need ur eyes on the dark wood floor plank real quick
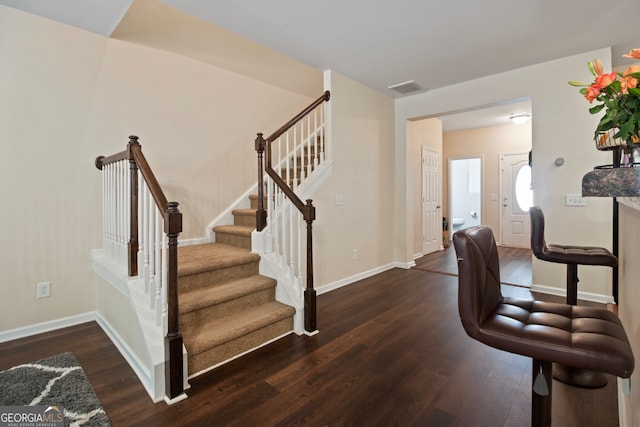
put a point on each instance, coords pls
(391, 352)
(515, 264)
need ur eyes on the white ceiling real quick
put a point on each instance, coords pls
(381, 43)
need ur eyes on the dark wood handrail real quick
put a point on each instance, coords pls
(103, 161)
(308, 212)
(150, 178)
(325, 97)
(307, 209)
(172, 228)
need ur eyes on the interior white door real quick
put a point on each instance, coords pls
(517, 198)
(431, 211)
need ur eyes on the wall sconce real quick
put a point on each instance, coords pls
(520, 118)
(559, 161)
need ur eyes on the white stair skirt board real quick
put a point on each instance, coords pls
(150, 372)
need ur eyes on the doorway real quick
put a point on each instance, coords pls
(465, 193)
(431, 209)
(517, 198)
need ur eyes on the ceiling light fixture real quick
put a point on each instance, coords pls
(520, 118)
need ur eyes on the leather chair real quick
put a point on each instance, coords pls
(572, 256)
(584, 337)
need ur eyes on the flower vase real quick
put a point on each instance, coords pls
(606, 141)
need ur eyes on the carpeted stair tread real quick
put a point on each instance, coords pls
(237, 326)
(196, 259)
(205, 297)
(236, 230)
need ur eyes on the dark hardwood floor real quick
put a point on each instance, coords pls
(515, 264)
(390, 352)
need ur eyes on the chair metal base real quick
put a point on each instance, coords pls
(541, 404)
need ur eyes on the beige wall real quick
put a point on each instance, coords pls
(68, 96)
(487, 143)
(197, 124)
(363, 174)
(48, 77)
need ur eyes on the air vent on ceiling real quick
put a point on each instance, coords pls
(406, 87)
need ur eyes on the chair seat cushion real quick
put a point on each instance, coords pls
(583, 337)
(584, 255)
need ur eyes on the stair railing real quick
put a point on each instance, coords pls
(289, 157)
(140, 236)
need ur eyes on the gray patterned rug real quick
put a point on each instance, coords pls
(57, 381)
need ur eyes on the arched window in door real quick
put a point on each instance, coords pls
(523, 190)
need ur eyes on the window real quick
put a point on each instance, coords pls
(524, 193)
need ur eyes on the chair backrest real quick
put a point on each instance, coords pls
(538, 244)
(478, 276)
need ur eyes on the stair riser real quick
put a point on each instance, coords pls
(245, 220)
(234, 240)
(215, 277)
(228, 350)
(254, 202)
(196, 319)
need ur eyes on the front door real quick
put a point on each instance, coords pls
(431, 225)
(517, 198)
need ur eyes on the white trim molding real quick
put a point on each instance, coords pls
(51, 325)
(586, 296)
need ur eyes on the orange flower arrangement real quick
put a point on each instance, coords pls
(619, 96)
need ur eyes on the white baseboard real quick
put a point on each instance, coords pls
(356, 277)
(51, 325)
(141, 371)
(586, 296)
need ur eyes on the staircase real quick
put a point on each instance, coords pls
(226, 307)
(210, 301)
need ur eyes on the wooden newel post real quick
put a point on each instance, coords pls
(261, 214)
(173, 340)
(309, 292)
(132, 246)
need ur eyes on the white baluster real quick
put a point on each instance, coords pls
(303, 170)
(316, 152)
(145, 237)
(291, 237)
(286, 159)
(120, 214)
(300, 245)
(141, 243)
(165, 269)
(321, 135)
(152, 252)
(158, 258)
(274, 221)
(107, 211)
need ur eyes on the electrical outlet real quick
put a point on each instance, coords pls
(339, 199)
(355, 254)
(43, 290)
(575, 200)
